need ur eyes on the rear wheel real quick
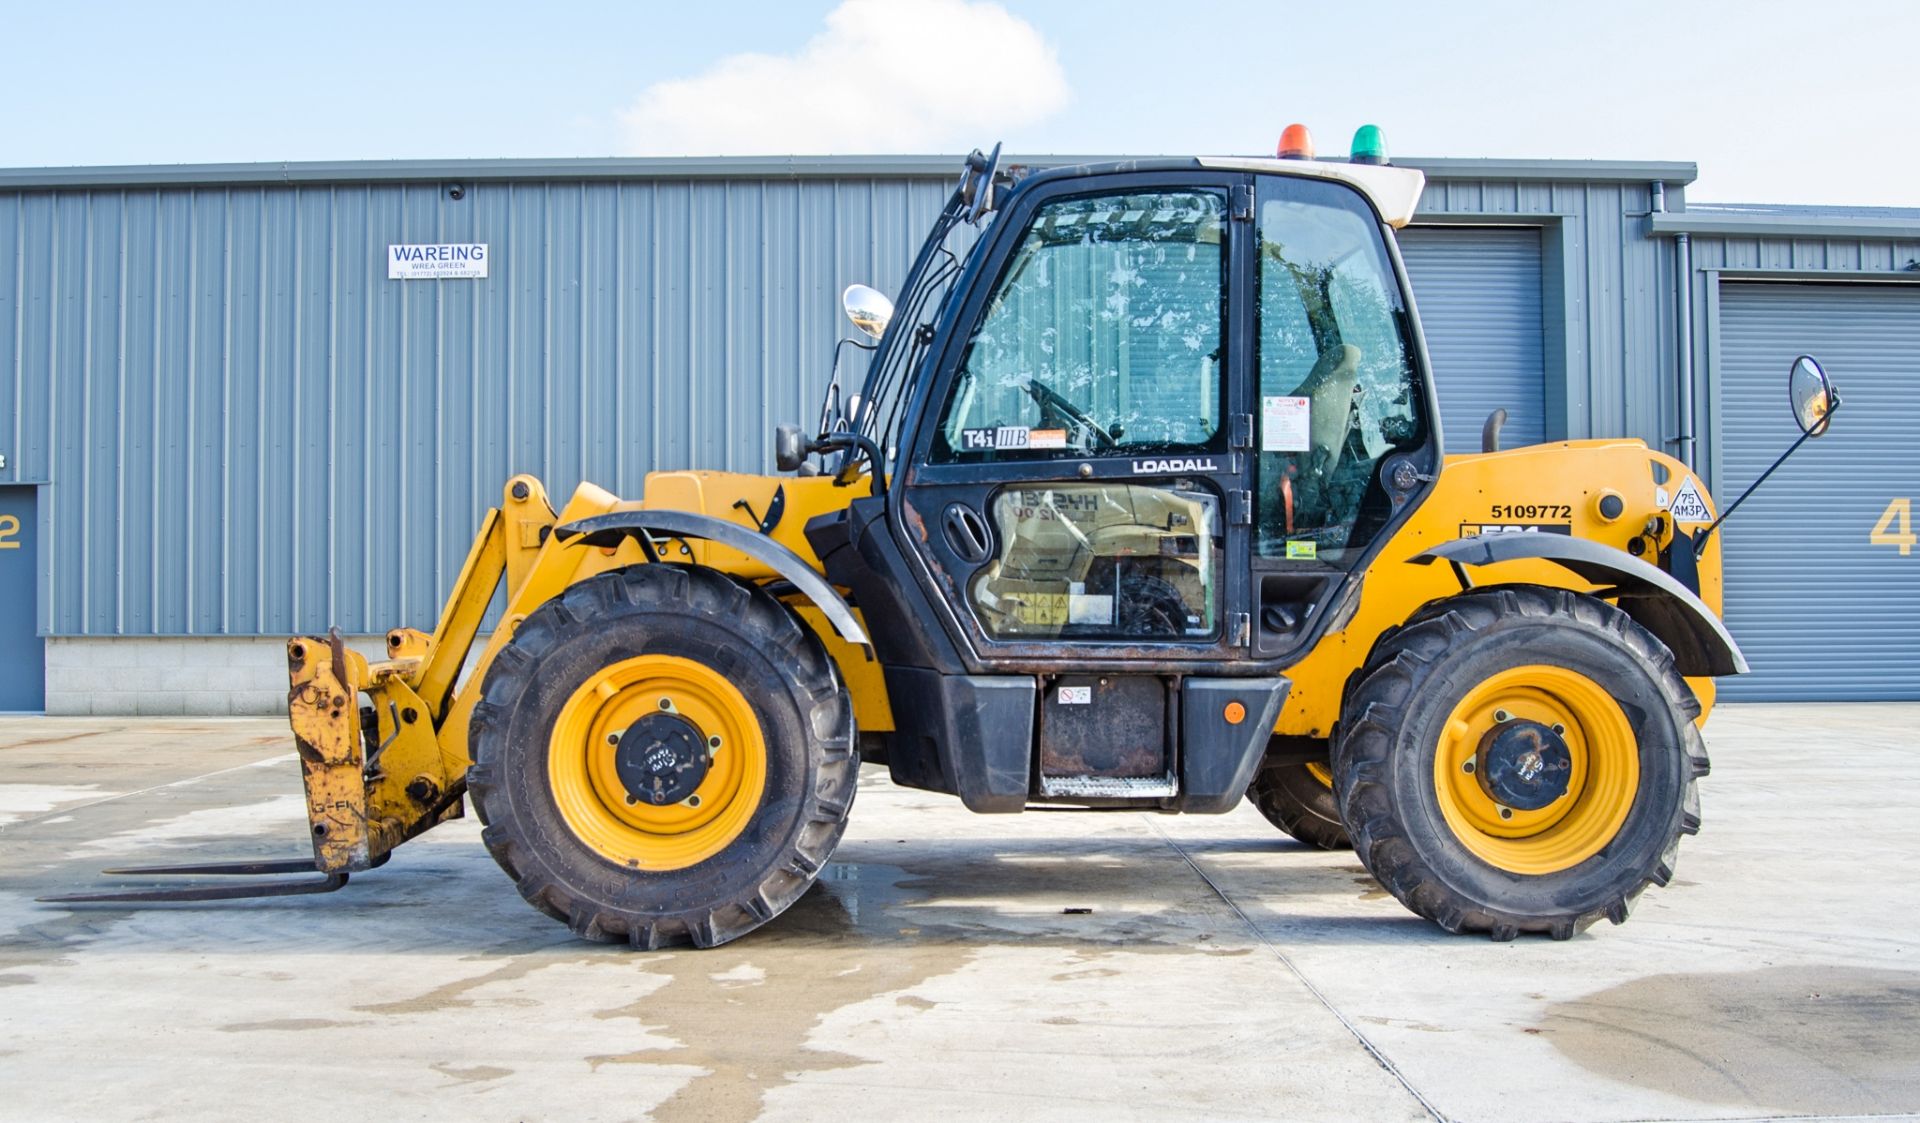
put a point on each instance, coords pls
(662, 755)
(1520, 760)
(1298, 798)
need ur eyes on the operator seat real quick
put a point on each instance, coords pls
(1304, 478)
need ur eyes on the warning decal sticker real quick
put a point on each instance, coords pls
(1688, 506)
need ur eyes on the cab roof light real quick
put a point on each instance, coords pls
(1369, 146)
(1296, 143)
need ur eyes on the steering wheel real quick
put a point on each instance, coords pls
(1050, 399)
(977, 182)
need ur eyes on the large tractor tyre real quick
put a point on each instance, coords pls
(1522, 761)
(662, 755)
(1298, 798)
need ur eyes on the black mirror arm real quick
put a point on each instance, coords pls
(1700, 540)
(876, 459)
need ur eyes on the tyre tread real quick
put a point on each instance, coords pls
(1398, 668)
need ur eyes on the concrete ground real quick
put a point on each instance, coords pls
(943, 968)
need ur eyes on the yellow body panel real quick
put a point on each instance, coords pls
(1476, 492)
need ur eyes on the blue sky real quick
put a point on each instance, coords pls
(1776, 101)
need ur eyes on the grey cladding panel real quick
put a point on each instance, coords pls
(1478, 289)
(1820, 612)
(181, 363)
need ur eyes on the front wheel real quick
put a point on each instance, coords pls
(662, 755)
(1520, 760)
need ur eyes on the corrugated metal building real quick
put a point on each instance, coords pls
(185, 349)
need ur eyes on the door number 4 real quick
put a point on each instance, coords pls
(1899, 513)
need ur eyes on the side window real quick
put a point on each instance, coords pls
(1102, 560)
(1104, 334)
(1338, 390)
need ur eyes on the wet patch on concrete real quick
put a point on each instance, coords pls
(21, 802)
(458, 995)
(471, 1074)
(887, 928)
(207, 828)
(1822, 1039)
(285, 1024)
(16, 980)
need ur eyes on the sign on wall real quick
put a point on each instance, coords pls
(416, 263)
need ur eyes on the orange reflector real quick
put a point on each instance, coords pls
(1296, 143)
(1235, 713)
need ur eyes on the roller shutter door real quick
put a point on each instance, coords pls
(1479, 294)
(1821, 613)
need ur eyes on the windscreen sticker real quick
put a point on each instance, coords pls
(1474, 530)
(1308, 550)
(1688, 505)
(1286, 424)
(1089, 608)
(1046, 438)
(1003, 437)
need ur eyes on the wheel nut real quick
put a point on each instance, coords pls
(1506, 812)
(1559, 730)
(613, 738)
(1502, 716)
(1467, 766)
(693, 801)
(666, 703)
(713, 742)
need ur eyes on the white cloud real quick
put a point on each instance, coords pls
(885, 76)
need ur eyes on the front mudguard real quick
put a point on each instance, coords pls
(1655, 600)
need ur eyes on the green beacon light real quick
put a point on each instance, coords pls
(1369, 146)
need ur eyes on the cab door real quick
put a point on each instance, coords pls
(1078, 485)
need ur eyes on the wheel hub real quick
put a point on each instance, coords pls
(1524, 764)
(661, 759)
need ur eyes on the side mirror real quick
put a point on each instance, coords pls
(869, 309)
(1811, 394)
(790, 447)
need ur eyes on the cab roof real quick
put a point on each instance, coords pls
(1394, 192)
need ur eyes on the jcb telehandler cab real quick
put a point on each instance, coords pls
(1141, 504)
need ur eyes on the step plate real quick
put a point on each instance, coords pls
(1109, 787)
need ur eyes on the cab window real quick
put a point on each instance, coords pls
(1338, 386)
(1102, 337)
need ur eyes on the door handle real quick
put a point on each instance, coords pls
(967, 533)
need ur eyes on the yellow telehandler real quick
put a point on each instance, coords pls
(1141, 504)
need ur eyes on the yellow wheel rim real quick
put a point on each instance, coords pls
(595, 802)
(1602, 782)
(1321, 772)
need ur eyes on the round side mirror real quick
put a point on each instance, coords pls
(1811, 394)
(869, 309)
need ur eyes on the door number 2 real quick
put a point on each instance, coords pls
(1899, 513)
(9, 532)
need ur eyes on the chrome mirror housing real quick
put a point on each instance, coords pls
(868, 308)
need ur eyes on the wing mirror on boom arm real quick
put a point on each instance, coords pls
(871, 311)
(1813, 398)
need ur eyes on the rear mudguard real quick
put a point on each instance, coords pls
(644, 526)
(1656, 601)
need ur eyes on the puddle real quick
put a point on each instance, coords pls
(1800, 1040)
